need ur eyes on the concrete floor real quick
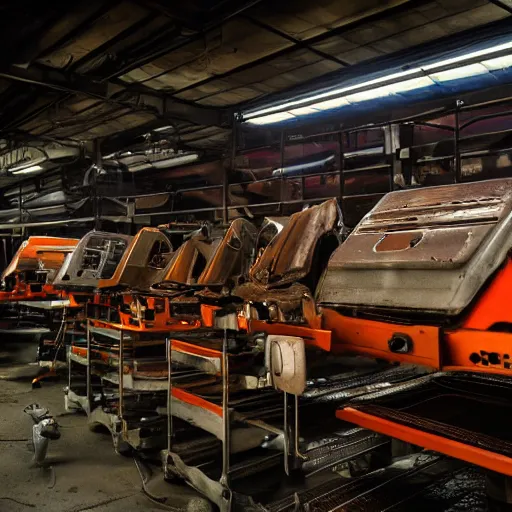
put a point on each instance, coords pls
(85, 472)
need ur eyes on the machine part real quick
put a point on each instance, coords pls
(288, 363)
(208, 416)
(359, 383)
(289, 256)
(45, 428)
(209, 488)
(187, 263)
(233, 256)
(296, 429)
(286, 435)
(400, 343)
(446, 241)
(226, 426)
(282, 302)
(370, 338)
(340, 448)
(143, 263)
(345, 493)
(175, 498)
(438, 412)
(96, 257)
(41, 253)
(319, 338)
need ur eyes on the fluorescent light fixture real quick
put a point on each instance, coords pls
(410, 85)
(372, 94)
(498, 63)
(26, 170)
(304, 111)
(426, 76)
(302, 167)
(176, 160)
(140, 167)
(469, 56)
(458, 73)
(272, 118)
(163, 128)
(328, 94)
(334, 103)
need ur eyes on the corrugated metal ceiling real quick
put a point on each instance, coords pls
(87, 69)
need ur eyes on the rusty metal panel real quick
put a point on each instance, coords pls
(189, 260)
(96, 257)
(289, 255)
(143, 262)
(232, 258)
(429, 249)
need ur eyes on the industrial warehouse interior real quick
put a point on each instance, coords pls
(256, 256)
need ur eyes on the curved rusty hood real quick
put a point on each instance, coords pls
(429, 249)
(41, 253)
(143, 263)
(289, 256)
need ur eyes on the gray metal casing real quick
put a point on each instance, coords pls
(426, 250)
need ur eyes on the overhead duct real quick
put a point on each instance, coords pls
(37, 159)
(154, 158)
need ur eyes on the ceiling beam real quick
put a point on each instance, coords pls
(502, 5)
(212, 22)
(396, 9)
(107, 45)
(138, 99)
(80, 29)
(297, 42)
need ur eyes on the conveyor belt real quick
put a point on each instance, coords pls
(393, 488)
(462, 415)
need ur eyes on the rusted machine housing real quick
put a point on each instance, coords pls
(204, 271)
(283, 278)
(143, 262)
(425, 278)
(96, 257)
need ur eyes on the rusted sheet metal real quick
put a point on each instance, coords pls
(143, 262)
(271, 227)
(41, 253)
(233, 256)
(445, 241)
(289, 256)
(190, 260)
(288, 298)
(206, 263)
(96, 257)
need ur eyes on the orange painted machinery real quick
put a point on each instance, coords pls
(425, 279)
(31, 273)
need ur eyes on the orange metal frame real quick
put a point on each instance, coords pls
(370, 338)
(22, 291)
(472, 347)
(163, 321)
(196, 401)
(471, 454)
(318, 338)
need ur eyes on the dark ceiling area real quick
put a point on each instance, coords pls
(116, 70)
(127, 111)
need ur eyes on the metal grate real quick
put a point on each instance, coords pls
(465, 436)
